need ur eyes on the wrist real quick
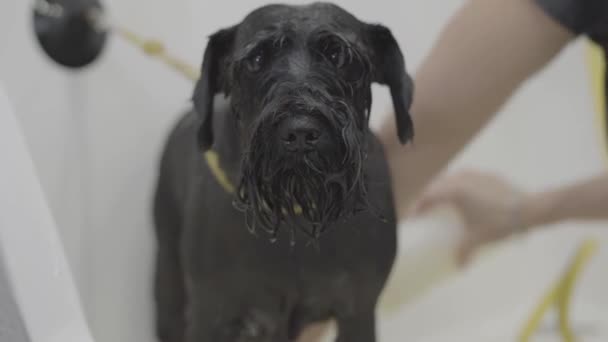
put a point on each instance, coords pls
(537, 210)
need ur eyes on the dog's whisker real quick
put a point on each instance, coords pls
(292, 236)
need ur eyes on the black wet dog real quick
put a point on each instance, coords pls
(308, 232)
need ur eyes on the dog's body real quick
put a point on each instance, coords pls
(218, 282)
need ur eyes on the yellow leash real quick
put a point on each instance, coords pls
(597, 66)
(560, 294)
(213, 162)
(154, 48)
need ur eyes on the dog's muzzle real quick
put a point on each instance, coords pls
(303, 167)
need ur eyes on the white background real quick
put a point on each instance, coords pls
(95, 138)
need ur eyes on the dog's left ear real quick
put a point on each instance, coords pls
(389, 69)
(212, 81)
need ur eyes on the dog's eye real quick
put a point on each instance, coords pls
(256, 61)
(337, 58)
(335, 53)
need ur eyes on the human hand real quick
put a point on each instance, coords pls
(492, 208)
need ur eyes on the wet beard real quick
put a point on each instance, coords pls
(307, 193)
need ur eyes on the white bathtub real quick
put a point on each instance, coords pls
(36, 280)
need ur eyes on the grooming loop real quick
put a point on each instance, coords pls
(560, 296)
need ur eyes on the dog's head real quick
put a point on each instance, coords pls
(299, 80)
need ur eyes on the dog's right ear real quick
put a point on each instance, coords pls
(212, 81)
(389, 69)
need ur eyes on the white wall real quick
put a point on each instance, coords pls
(95, 137)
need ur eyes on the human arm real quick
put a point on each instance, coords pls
(486, 51)
(493, 209)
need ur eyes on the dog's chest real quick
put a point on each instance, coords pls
(352, 260)
(219, 240)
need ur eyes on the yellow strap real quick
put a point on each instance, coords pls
(561, 293)
(596, 66)
(155, 48)
(213, 161)
(582, 258)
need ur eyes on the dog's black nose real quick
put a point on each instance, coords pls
(299, 133)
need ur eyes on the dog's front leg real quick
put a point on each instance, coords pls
(169, 291)
(357, 328)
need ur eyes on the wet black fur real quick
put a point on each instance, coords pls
(217, 279)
